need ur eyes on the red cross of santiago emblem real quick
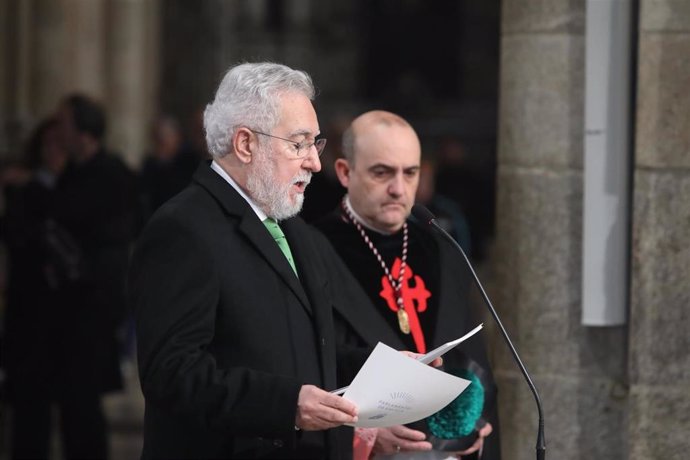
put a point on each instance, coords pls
(414, 300)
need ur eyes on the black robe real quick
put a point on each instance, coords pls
(439, 286)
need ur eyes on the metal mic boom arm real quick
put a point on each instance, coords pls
(424, 215)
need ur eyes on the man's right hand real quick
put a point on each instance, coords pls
(320, 410)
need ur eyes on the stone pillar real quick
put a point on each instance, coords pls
(5, 40)
(660, 312)
(85, 63)
(52, 61)
(579, 371)
(130, 98)
(16, 65)
(6, 37)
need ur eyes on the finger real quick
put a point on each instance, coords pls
(404, 433)
(340, 404)
(319, 422)
(486, 430)
(333, 415)
(414, 446)
(473, 448)
(438, 362)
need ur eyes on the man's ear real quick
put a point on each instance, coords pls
(244, 145)
(342, 170)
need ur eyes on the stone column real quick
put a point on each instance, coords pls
(579, 371)
(86, 23)
(16, 65)
(130, 97)
(6, 37)
(660, 311)
(5, 40)
(53, 63)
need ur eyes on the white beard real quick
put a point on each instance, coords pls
(272, 197)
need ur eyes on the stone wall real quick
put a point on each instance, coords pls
(616, 392)
(104, 48)
(579, 371)
(659, 362)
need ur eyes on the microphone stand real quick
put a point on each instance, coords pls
(425, 215)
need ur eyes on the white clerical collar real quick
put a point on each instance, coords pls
(221, 172)
(360, 220)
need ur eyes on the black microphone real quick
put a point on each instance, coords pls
(425, 216)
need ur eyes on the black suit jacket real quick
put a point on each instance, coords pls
(227, 334)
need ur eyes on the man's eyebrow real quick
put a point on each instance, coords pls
(381, 166)
(393, 168)
(304, 132)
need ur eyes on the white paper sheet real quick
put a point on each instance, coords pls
(433, 354)
(393, 389)
(446, 347)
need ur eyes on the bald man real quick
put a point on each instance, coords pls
(415, 280)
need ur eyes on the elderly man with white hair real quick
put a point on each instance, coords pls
(233, 295)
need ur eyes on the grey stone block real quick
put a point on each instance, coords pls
(538, 266)
(659, 421)
(660, 313)
(665, 15)
(556, 16)
(663, 112)
(584, 417)
(539, 228)
(541, 104)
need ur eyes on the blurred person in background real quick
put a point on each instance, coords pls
(168, 167)
(91, 221)
(32, 356)
(448, 213)
(468, 181)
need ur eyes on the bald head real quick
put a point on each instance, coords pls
(368, 123)
(380, 169)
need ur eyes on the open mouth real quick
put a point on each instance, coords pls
(301, 186)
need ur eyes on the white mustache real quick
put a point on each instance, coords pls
(306, 178)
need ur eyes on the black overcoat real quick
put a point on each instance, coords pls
(227, 333)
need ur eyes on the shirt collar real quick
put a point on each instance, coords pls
(222, 173)
(360, 220)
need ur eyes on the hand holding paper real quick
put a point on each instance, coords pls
(319, 410)
(392, 389)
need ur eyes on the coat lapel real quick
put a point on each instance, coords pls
(251, 227)
(315, 281)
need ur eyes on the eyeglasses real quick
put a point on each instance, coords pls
(301, 148)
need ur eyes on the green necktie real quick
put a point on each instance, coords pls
(279, 237)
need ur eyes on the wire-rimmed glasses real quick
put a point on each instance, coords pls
(301, 148)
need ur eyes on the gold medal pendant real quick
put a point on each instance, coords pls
(403, 321)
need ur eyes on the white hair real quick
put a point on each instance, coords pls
(249, 96)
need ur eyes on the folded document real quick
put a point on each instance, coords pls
(392, 389)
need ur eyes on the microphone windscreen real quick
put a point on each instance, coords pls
(422, 214)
